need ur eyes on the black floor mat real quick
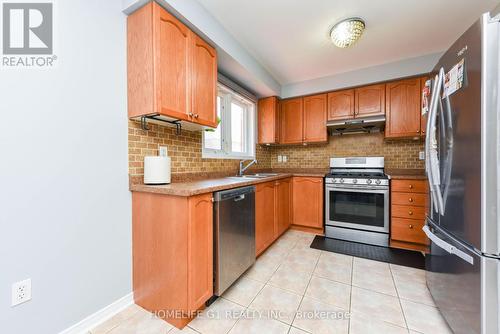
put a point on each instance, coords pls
(400, 257)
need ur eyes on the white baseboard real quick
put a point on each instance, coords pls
(100, 316)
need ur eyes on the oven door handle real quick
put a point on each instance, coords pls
(359, 190)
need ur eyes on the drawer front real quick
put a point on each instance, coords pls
(413, 199)
(408, 212)
(412, 186)
(408, 230)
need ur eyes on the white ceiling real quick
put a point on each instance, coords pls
(290, 37)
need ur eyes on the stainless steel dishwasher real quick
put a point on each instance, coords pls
(234, 251)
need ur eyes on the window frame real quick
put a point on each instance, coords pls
(229, 96)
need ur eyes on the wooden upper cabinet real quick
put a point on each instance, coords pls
(341, 105)
(307, 202)
(283, 207)
(403, 108)
(171, 71)
(292, 121)
(268, 120)
(204, 82)
(264, 216)
(369, 101)
(423, 118)
(315, 118)
(200, 250)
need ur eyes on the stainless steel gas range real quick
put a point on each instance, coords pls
(357, 200)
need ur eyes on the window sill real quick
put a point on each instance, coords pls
(213, 155)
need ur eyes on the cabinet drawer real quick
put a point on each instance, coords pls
(413, 199)
(408, 230)
(409, 212)
(412, 186)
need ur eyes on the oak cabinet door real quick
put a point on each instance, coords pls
(341, 105)
(203, 82)
(200, 250)
(307, 201)
(369, 101)
(268, 120)
(264, 216)
(292, 121)
(283, 208)
(315, 118)
(403, 108)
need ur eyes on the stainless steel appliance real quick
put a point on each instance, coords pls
(234, 237)
(357, 200)
(462, 163)
(358, 125)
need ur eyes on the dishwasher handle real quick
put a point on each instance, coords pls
(236, 194)
(239, 198)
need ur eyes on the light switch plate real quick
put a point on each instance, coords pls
(421, 155)
(280, 158)
(285, 158)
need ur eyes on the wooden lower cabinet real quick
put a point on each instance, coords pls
(307, 202)
(272, 212)
(409, 206)
(172, 250)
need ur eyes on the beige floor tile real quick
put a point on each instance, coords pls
(294, 330)
(287, 242)
(273, 299)
(286, 277)
(361, 264)
(374, 279)
(259, 326)
(185, 330)
(276, 251)
(144, 323)
(365, 324)
(414, 291)
(219, 318)
(329, 292)
(377, 305)
(408, 274)
(319, 318)
(243, 291)
(302, 260)
(117, 319)
(335, 267)
(424, 319)
(263, 269)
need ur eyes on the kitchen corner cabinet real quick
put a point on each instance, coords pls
(315, 109)
(409, 205)
(292, 121)
(268, 120)
(403, 108)
(307, 202)
(272, 212)
(172, 72)
(172, 247)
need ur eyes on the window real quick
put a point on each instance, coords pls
(234, 138)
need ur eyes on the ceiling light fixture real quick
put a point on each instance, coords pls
(346, 32)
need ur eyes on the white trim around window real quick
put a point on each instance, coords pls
(229, 99)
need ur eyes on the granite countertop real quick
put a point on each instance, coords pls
(208, 185)
(413, 174)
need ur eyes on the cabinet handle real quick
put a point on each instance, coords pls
(196, 115)
(410, 213)
(410, 186)
(410, 199)
(410, 226)
(190, 114)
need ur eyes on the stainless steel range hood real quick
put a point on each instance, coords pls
(357, 125)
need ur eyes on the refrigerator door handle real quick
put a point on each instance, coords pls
(446, 246)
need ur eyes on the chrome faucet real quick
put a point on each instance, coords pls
(243, 169)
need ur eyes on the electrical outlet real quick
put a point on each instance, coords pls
(21, 292)
(421, 155)
(285, 158)
(280, 158)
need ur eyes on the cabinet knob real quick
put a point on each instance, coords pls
(196, 115)
(410, 199)
(190, 114)
(410, 186)
(410, 213)
(410, 226)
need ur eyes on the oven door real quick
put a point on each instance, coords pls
(359, 208)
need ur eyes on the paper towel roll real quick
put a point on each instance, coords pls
(156, 170)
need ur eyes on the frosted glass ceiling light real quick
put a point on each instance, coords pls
(346, 32)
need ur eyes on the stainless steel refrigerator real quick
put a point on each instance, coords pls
(462, 163)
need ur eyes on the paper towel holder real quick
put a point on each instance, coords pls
(144, 125)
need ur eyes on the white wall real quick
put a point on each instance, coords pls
(65, 208)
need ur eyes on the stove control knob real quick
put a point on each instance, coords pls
(341, 180)
(377, 181)
(368, 181)
(354, 181)
(334, 180)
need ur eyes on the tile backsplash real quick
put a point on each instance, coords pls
(185, 151)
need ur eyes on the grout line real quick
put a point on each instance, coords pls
(399, 298)
(350, 295)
